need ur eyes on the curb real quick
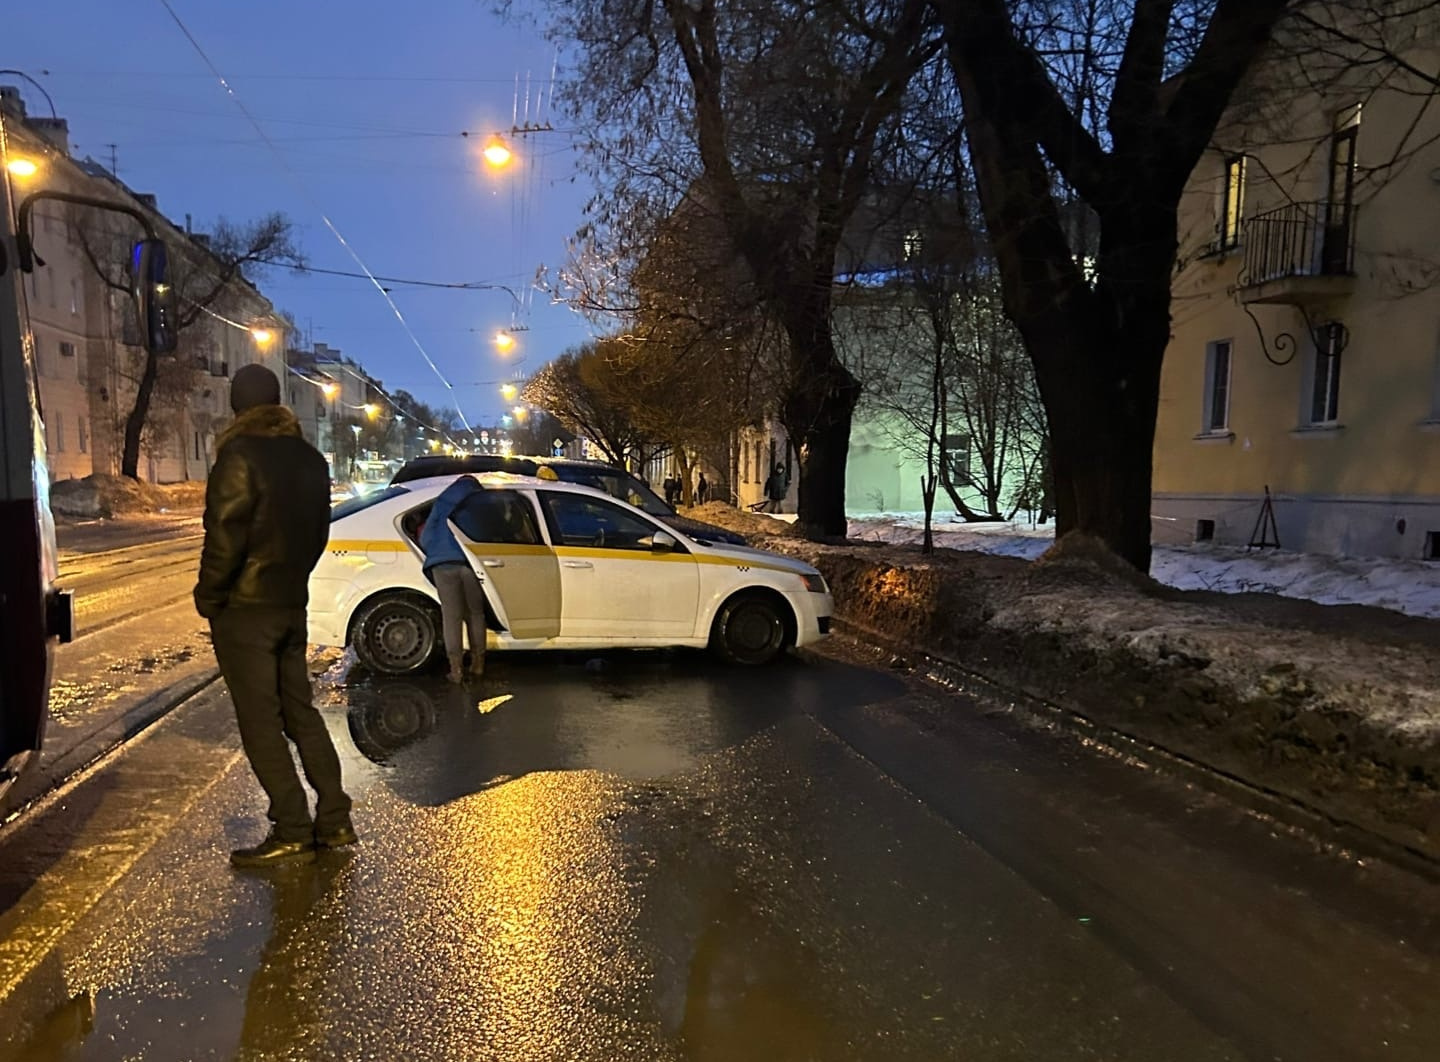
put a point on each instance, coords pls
(1340, 836)
(36, 789)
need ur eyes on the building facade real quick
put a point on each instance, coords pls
(1305, 349)
(88, 355)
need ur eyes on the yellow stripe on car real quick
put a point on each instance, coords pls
(366, 545)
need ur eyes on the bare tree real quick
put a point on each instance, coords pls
(205, 279)
(1110, 105)
(584, 391)
(768, 116)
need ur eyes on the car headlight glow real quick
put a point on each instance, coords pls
(815, 583)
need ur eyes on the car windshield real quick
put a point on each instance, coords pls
(620, 485)
(364, 501)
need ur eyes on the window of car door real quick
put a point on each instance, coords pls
(500, 517)
(616, 585)
(579, 521)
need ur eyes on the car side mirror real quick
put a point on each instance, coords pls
(155, 305)
(663, 543)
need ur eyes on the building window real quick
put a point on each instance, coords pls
(1435, 387)
(1232, 202)
(67, 350)
(1325, 387)
(59, 434)
(1432, 545)
(1217, 386)
(914, 244)
(84, 438)
(957, 459)
(198, 454)
(75, 295)
(1204, 530)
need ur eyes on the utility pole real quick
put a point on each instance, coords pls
(114, 162)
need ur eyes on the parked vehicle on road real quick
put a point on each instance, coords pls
(563, 566)
(612, 479)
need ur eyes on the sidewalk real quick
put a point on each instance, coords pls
(1333, 708)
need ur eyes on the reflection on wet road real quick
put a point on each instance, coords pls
(648, 856)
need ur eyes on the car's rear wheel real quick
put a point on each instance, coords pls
(749, 629)
(396, 635)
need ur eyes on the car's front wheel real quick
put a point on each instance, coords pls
(396, 635)
(749, 629)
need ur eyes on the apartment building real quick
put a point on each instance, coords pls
(1305, 349)
(88, 353)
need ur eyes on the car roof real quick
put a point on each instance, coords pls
(463, 463)
(508, 479)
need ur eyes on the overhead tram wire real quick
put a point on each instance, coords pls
(305, 192)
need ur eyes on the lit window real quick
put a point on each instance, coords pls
(1232, 208)
(914, 244)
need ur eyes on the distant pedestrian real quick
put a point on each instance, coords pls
(462, 599)
(672, 489)
(777, 486)
(702, 490)
(267, 519)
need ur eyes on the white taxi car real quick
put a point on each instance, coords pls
(563, 567)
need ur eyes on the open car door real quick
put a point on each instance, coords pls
(501, 537)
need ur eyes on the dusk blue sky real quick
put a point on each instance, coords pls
(365, 102)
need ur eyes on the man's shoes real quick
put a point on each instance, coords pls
(273, 852)
(477, 665)
(341, 837)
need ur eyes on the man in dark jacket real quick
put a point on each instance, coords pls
(462, 599)
(267, 519)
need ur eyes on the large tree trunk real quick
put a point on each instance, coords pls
(135, 422)
(1102, 425)
(817, 412)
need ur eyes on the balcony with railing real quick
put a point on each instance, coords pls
(1299, 253)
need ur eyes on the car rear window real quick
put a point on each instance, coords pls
(364, 501)
(617, 484)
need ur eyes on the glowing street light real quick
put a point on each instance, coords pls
(261, 334)
(372, 410)
(22, 167)
(508, 391)
(520, 412)
(330, 389)
(504, 341)
(496, 153)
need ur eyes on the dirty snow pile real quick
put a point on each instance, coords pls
(1410, 587)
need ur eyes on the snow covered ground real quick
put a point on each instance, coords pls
(1411, 587)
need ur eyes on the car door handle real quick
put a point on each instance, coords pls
(578, 564)
(493, 563)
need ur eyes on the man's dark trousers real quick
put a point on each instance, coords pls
(261, 653)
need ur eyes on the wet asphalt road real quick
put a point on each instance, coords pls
(649, 856)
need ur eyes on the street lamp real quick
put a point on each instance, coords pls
(520, 412)
(504, 341)
(496, 153)
(22, 167)
(372, 410)
(261, 335)
(508, 391)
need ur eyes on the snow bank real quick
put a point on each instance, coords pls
(1411, 587)
(108, 496)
